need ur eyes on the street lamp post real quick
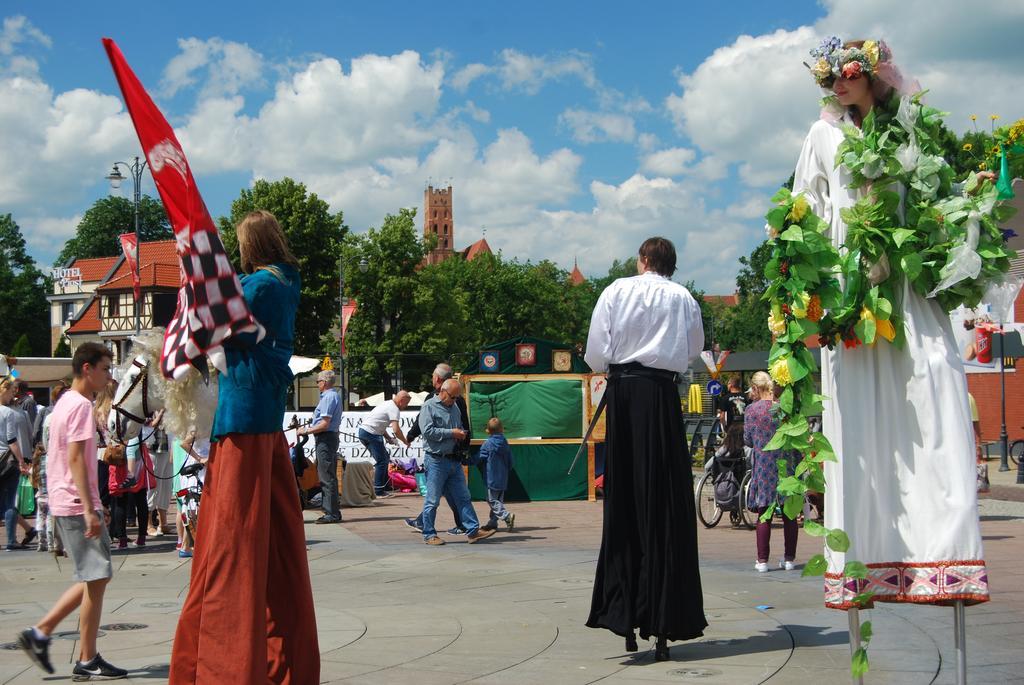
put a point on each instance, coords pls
(115, 177)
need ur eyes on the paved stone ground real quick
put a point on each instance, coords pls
(511, 609)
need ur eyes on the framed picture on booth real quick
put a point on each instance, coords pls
(526, 354)
(561, 361)
(490, 361)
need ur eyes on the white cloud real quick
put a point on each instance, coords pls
(708, 242)
(671, 162)
(17, 30)
(598, 127)
(464, 77)
(750, 103)
(529, 73)
(76, 135)
(47, 234)
(229, 66)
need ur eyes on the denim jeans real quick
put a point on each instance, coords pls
(445, 477)
(496, 500)
(8, 500)
(375, 445)
(327, 470)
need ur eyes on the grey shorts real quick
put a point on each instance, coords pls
(90, 557)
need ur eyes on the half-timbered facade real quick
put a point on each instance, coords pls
(109, 316)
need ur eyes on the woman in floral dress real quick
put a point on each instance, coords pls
(759, 425)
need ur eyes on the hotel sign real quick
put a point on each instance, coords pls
(66, 277)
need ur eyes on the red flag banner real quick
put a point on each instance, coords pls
(211, 308)
(129, 246)
(347, 310)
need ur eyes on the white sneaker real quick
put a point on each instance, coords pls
(761, 568)
(786, 565)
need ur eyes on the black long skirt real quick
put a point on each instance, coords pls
(647, 574)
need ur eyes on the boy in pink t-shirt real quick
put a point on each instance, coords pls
(78, 518)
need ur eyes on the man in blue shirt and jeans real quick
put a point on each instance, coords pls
(441, 423)
(324, 429)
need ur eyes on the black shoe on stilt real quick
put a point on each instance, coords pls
(661, 650)
(631, 642)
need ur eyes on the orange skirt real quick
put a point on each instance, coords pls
(249, 613)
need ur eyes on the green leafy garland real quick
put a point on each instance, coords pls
(898, 145)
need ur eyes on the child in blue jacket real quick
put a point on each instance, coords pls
(496, 453)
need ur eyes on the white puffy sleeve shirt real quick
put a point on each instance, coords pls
(646, 319)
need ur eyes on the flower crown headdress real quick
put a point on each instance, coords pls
(833, 60)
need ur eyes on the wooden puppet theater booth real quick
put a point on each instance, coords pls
(541, 391)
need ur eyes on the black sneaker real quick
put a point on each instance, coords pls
(38, 650)
(456, 531)
(30, 536)
(97, 669)
(412, 524)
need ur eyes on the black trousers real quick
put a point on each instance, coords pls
(123, 505)
(647, 572)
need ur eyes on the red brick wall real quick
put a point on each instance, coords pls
(986, 391)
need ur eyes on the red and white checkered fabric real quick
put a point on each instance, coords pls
(210, 304)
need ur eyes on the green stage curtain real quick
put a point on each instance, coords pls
(539, 475)
(528, 409)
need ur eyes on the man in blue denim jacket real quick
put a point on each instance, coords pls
(441, 424)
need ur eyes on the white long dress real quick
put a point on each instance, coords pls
(904, 486)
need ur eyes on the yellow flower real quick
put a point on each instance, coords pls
(993, 117)
(821, 69)
(779, 371)
(799, 306)
(974, 117)
(799, 209)
(870, 49)
(776, 323)
(885, 329)
(968, 147)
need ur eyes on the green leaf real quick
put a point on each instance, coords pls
(797, 370)
(865, 631)
(863, 599)
(859, 663)
(816, 481)
(793, 505)
(786, 400)
(865, 330)
(814, 529)
(883, 309)
(769, 512)
(778, 442)
(795, 427)
(776, 217)
(837, 540)
(855, 569)
(902, 235)
(781, 195)
(792, 234)
(815, 566)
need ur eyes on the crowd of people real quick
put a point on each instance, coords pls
(249, 612)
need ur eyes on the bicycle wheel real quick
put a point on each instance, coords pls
(1017, 451)
(749, 517)
(708, 510)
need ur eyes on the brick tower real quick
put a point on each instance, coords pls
(438, 221)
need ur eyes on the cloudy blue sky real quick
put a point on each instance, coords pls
(570, 130)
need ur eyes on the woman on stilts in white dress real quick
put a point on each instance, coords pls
(903, 487)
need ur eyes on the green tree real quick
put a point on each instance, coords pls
(22, 348)
(395, 315)
(744, 327)
(24, 310)
(315, 236)
(63, 348)
(109, 217)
